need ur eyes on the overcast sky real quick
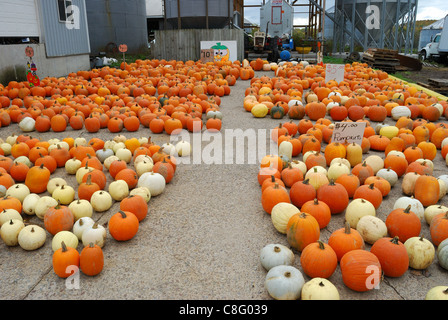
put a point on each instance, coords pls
(427, 10)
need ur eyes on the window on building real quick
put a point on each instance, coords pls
(65, 11)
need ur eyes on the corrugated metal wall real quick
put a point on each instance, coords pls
(185, 44)
(119, 22)
(62, 39)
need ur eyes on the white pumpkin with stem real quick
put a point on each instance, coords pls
(141, 191)
(9, 232)
(81, 208)
(81, 225)
(72, 165)
(319, 289)
(32, 237)
(357, 209)
(68, 237)
(273, 255)
(54, 183)
(124, 154)
(389, 175)
(154, 181)
(421, 252)
(284, 282)
(416, 205)
(8, 214)
(64, 194)
(18, 191)
(29, 204)
(118, 189)
(437, 293)
(433, 210)
(336, 170)
(96, 234)
(280, 215)
(101, 201)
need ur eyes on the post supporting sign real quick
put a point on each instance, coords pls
(123, 48)
(334, 72)
(350, 132)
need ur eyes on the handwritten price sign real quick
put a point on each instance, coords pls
(348, 132)
(334, 72)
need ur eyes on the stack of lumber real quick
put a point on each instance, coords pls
(382, 59)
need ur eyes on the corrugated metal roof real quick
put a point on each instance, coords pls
(61, 38)
(436, 25)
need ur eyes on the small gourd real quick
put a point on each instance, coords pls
(96, 234)
(9, 232)
(437, 293)
(81, 225)
(421, 252)
(319, 289)
(68, 237)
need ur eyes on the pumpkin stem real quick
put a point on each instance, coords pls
(64, 247)
(316, 202)
(277, 249)
(408, 208)
(347, 229)
(123, 215)
(321, 245)
(287, 274)
(395, 240)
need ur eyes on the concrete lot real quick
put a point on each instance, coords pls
(200, 241)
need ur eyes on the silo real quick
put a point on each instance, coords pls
(198, 14)
(376, 23)
(115, 22)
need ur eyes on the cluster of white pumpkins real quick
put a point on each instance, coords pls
(14, 230)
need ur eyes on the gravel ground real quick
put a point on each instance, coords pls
(201, 239)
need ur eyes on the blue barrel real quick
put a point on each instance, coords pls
(285, 55)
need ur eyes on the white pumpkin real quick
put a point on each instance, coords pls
(183, 148)
(54, 183)
(389, 175)
(442, 188)
(72, 165)
(9, 214)
(32, 237)
(101, 201)
(343, 161)
(9, 232)
(400, 111)
(124, 154)
(357, 209)
(11, 139)
(300, 165)
(6, 147)
(285, 150)
(24, 160)
(141, 191)
(120, 138)
(103, 154)
(81, 172)
(421, 252)
(433, 210)
(141, 158)
(273, 255)
(29, 204)
(284, 282)
(68, 237)
(154, 181)
(81, 208)
(444, 177)
(43, 204)
(371, 228)
(416, 205)
(143, 166)
(96, 234)
(375, 162)
(27, 124)
(319, 289)
(64, 194)
(118, 189)
(117, 146)
(336, 170)
(109, 160)
(80, 141)
(18, 191)
(280, 215)
(2, 191)
(81, 225)
(437, 293)
(169, 148)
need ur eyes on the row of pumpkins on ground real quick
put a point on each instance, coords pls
(126, 170)
(163, 96)
(333, 178)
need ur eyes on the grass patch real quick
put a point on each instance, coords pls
(333, 60)
(404, 75)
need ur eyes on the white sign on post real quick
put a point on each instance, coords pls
(334, 72)
(348, 132)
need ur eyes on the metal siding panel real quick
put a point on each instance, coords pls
(60, 40)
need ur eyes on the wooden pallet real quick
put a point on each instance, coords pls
(435, 87)
(383, 59)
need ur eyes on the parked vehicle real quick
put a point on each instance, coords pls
(438, 47)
